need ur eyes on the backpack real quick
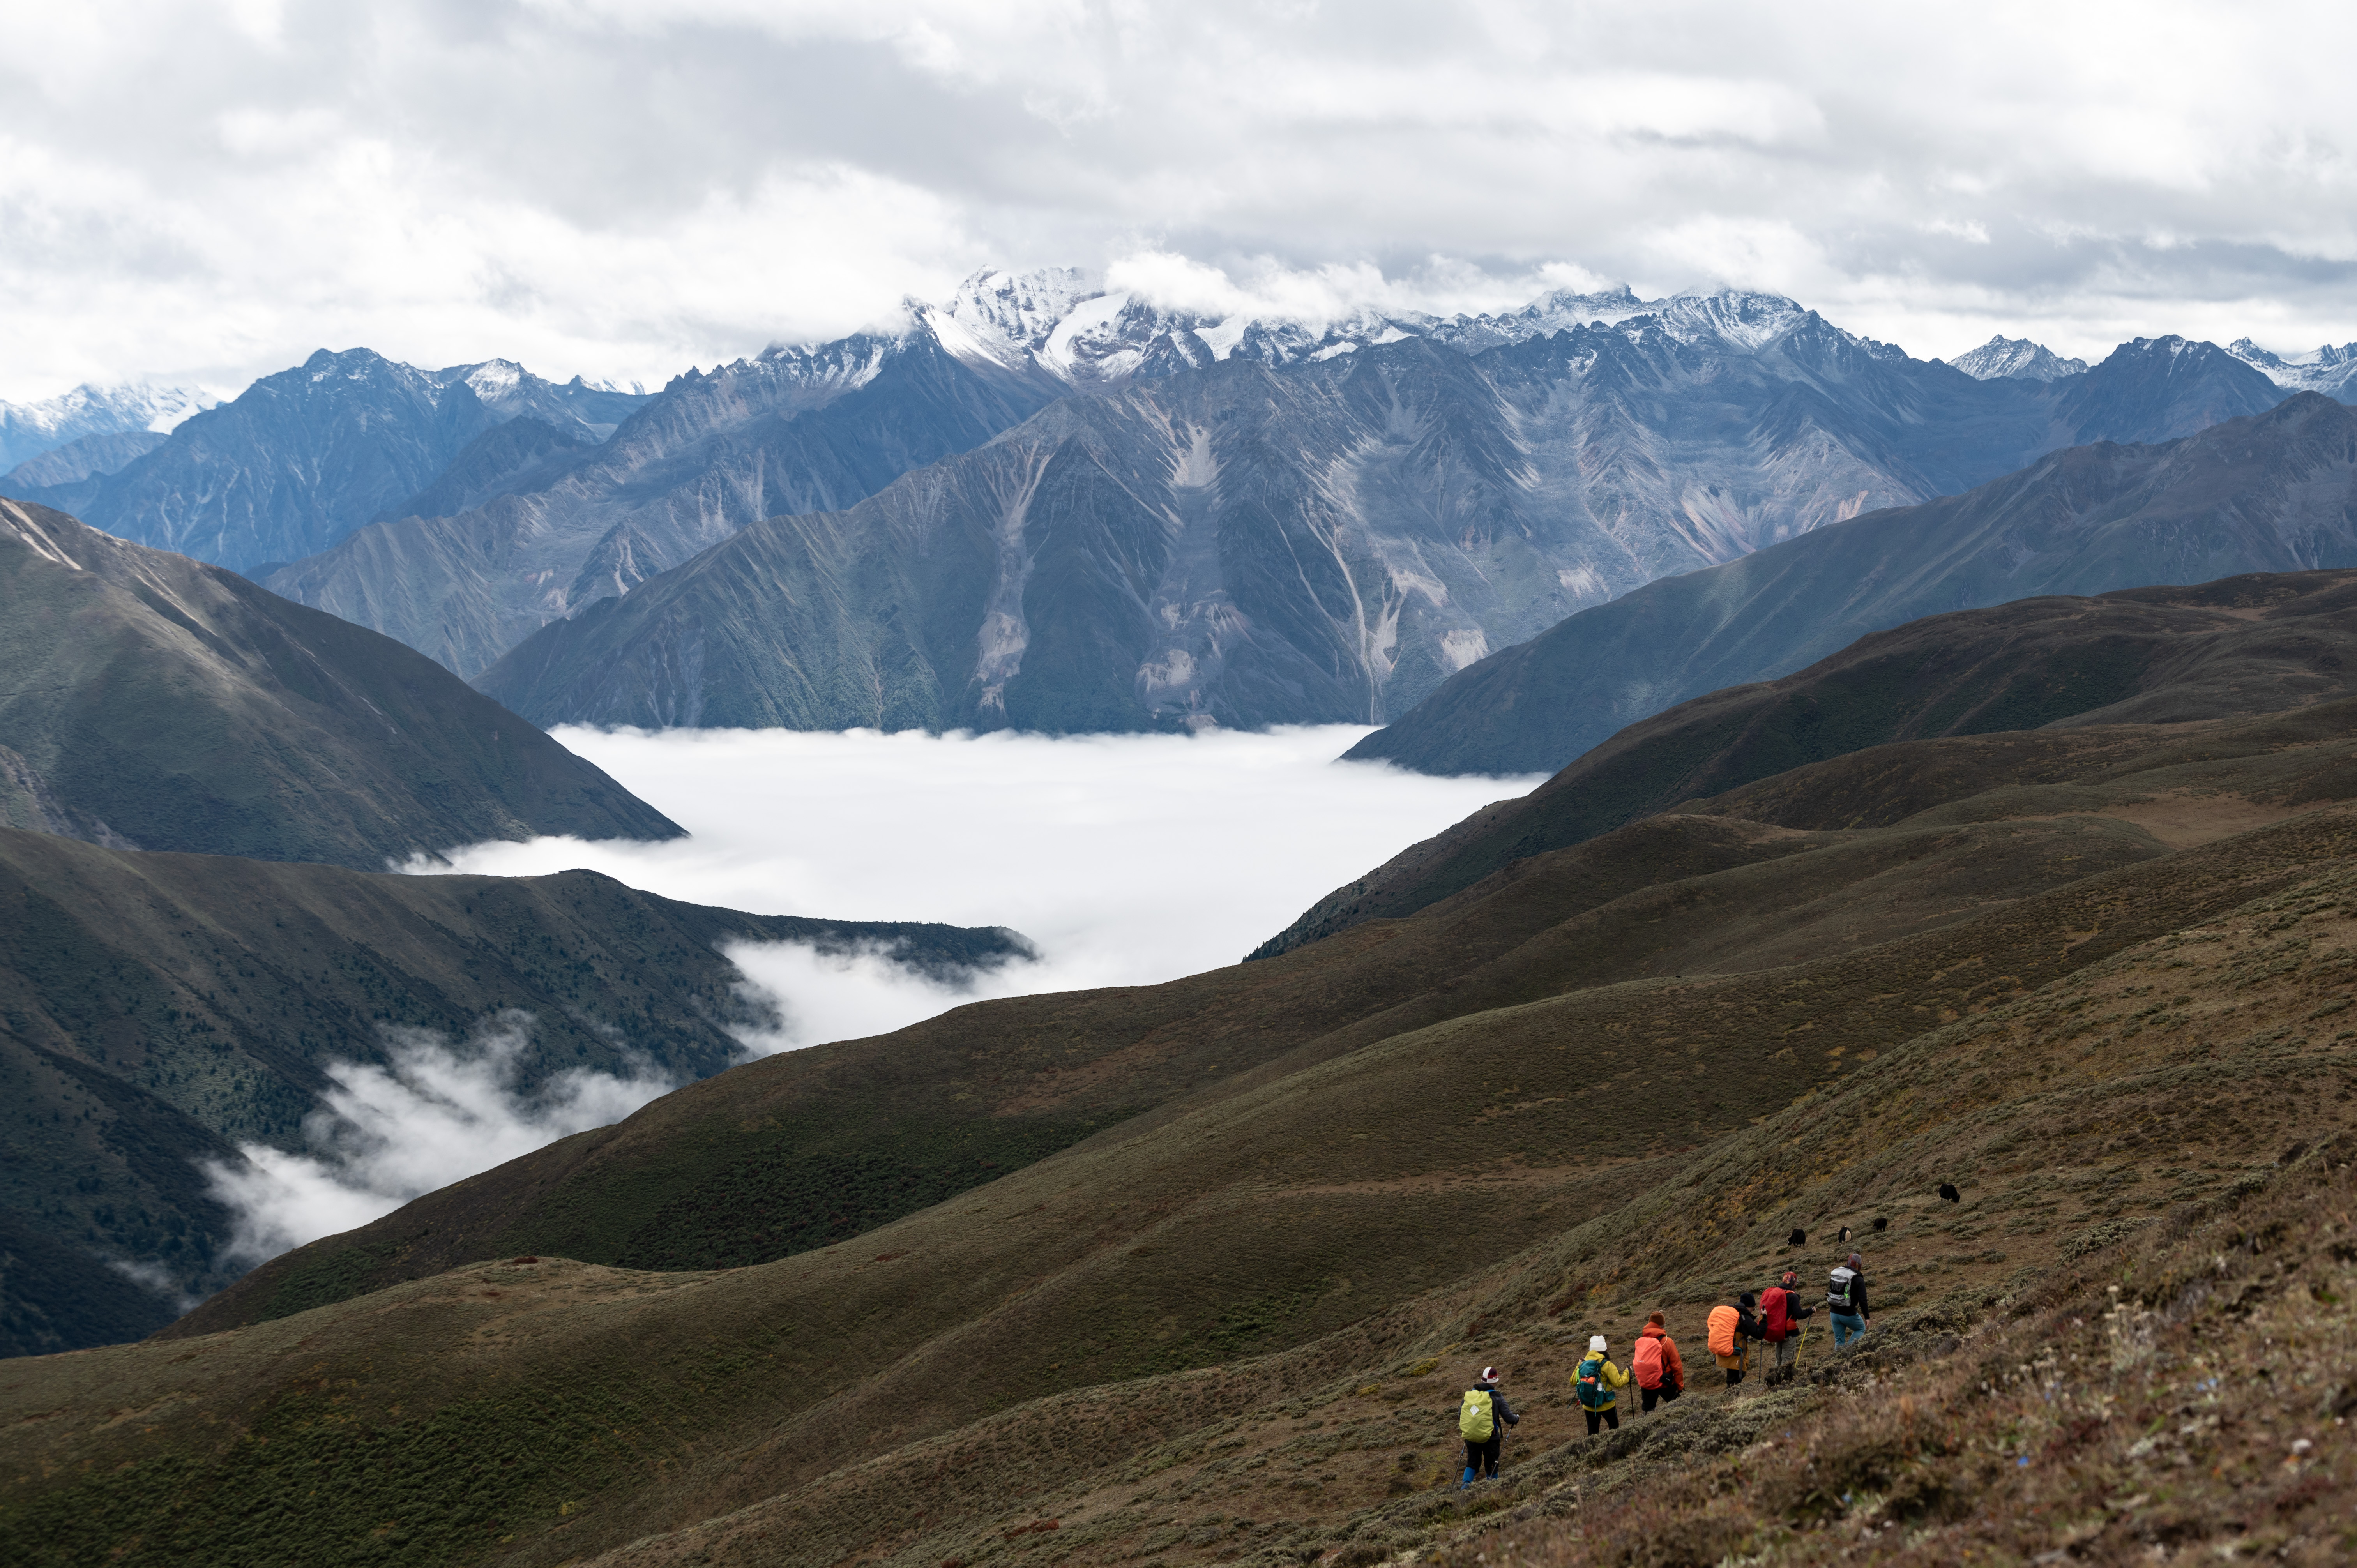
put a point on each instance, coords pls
(1722, 1330)
(1592, 1394)
(1646, 1362)
(1838, 1296)
(1774, 1314)
(1474, 1422)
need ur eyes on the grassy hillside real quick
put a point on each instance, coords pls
(156, 1010)
(1232, 1326)
(2238, 646)
(150, 701)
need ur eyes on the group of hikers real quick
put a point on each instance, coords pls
(1775, 1318)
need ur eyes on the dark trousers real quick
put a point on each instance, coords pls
(1665, 1394)
(1480, 1454)
(1734, 1376)
(1610, 1417)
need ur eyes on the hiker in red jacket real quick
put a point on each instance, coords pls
(1661, 1373)
(1781, 1313)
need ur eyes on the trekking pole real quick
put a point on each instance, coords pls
(1804, 1351)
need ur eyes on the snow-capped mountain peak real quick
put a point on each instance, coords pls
(29, 429)
(2003, 356)
(2327, 369)
(1738, 319)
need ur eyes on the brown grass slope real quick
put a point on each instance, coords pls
(2061, 1113)
(151, 701)
(1106, 1336)
(2236, 647)
(158, 1010)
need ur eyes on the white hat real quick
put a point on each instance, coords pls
(1488, 1374)
(1596, 1342)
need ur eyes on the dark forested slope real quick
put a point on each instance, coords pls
(151, 702)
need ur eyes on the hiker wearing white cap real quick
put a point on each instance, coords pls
(1599, 1383)
(1482, 1421)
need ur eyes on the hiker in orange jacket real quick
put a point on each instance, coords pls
(1660, 1372)
(1780, 1315)
(1730, 1328)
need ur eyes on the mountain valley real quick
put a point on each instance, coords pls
(1294, 1196)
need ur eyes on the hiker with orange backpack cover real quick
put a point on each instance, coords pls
(1661, 1373)
(1597, 1382)
(1780, 1315)
(1729, 1328)
(1481, 1420)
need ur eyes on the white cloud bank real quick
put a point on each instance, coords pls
(435, 1113)
(1126, 859)
(211, 188)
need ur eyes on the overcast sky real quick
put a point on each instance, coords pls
(211, 188)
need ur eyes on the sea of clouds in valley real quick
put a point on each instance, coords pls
(1126, 860)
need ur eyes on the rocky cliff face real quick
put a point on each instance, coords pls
(2273, 492)
(1326, 541)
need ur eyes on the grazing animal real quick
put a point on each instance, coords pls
(1845, 1236)
(1796, 1239)
(1882, 1225)
(1948, 1194)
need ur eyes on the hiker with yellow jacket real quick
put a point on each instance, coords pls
(1599, 1383)
(1482, 1421)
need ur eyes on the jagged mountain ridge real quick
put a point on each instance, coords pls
(792, 430)
(2271, 492)
(29, 429)
(2004, 356)
(2327, 369)
(302, 457)
(1326, 541)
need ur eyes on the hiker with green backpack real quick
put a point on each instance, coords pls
(1482, 1421)
(1599, 1383)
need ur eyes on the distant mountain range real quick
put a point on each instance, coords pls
(2271, 492)
(462, 509)
(301, 458)
(1327, 539)
(29, 429)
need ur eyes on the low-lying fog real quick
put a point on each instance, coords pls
(1126, 859)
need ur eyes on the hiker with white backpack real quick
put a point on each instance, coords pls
(1482, 1421)
(1846, 1296)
